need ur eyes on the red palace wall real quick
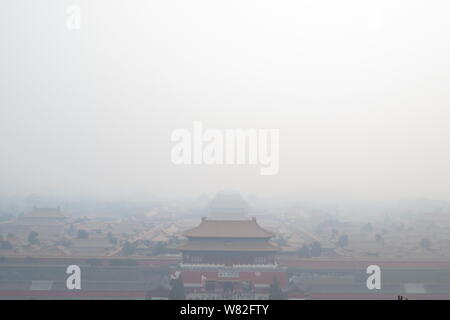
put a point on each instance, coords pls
(262, 278)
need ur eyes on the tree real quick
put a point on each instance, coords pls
(304, 252)
(316, 249)
(33, 238)
(177, 289)
(343, 241)
(6, 245)
(128, 248)
(275, 292)
(160, 248)
(425, 243)
(368, 227)
(111, 238)
(82, 234)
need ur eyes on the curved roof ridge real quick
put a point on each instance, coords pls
(228, 229)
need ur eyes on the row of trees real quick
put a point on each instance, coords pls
(129, 248)
(33, 238)
(5, 244)
(315, 249)
(312, 250)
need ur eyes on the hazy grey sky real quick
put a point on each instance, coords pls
(358, 89)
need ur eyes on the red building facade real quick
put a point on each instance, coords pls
(228, 243)
(229, 256)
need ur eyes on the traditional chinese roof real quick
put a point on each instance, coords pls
(52, 213)
(228, 229)
(217, 246)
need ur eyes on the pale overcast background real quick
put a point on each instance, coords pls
(358, 89)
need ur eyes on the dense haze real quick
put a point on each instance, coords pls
(358, 89)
